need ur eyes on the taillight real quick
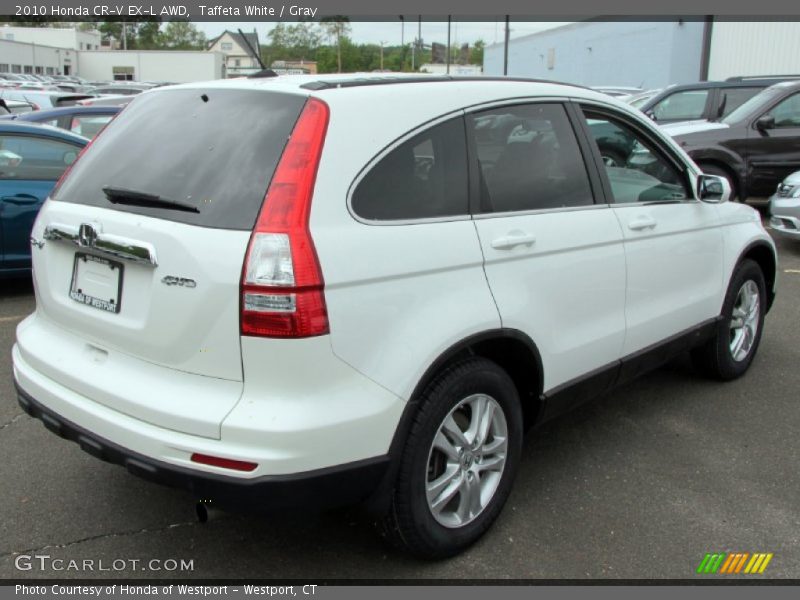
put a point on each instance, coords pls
(282, 286)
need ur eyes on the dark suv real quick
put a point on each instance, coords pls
(707, 100)
(755, 147)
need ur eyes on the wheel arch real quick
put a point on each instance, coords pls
(511, 349)
(764, 256)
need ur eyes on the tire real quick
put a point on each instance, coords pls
(439, 528)
(720, 172)
(730, 352)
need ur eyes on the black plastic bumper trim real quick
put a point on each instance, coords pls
(330, 487)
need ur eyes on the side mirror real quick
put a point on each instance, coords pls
(713, 189)
(765, 122)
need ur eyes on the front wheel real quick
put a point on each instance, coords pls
(729, 353)
(459, 461)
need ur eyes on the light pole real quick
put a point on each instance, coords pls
(402, 43)
(382, 43)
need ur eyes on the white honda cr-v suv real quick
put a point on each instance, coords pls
(297, 291)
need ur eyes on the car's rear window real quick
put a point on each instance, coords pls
(213, 149)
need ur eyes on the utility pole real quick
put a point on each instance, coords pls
(447, 55)
(420, 45)
(402, 43)
(505, 50)
(124, 36)
(382, 43)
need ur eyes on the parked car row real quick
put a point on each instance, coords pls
(32, 158)
(744, 129)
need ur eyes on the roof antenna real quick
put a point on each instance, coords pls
(253, 50)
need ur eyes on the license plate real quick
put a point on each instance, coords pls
(96, 282)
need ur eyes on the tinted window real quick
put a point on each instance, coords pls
(787, 113)
(681, 106)
(735, 97)
(529, 159)
(218, 154)
(641, 173)
(23, 157)
(424, 177)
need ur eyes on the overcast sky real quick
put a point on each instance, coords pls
(375, 33)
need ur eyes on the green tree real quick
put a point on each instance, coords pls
(149, 36)
(476, 52)
(336, 28)
(183, 35)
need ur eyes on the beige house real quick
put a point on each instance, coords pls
(241, 52)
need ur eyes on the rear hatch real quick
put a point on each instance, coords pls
(146, 236)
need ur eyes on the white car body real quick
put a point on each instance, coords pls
(171, 376)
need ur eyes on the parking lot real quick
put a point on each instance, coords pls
(640, 484)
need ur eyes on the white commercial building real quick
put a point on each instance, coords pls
(754, 48)
(151, 65)
(52, 36)
(650, 54)
(35, 59)
(441, 69)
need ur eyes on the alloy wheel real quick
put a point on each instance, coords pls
(466, 460)
(744, 320)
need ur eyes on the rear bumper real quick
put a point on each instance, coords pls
(322, 488)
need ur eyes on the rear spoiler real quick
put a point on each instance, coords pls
(70, 100)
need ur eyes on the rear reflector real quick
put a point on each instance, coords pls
(282, 285)
(225, 463)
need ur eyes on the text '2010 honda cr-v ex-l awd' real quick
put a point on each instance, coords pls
(296, 291)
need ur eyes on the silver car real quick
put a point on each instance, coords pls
(784, 207)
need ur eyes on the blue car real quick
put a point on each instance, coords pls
(32, 158)
(86, 121)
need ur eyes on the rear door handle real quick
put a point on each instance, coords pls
(642, 222)
(21, 199)
(513, 239)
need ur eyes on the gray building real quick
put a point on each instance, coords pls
(595, 53)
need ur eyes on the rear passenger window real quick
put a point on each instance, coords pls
(424, 177)
(529, 159)
(681, 106)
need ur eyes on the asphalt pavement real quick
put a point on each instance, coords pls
(639, 484)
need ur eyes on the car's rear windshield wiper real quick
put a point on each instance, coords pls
(118, 195)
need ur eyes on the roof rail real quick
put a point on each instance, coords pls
(365, 81)
(766, 77)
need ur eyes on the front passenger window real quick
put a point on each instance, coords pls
(637, 171)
